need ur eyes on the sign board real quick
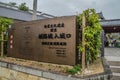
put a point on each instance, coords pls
(49, 40)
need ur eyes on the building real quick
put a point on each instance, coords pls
(12, 12)
(111, 27)
(112, 32)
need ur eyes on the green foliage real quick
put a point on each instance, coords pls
(74, 70)
(4, 22)
(23, 7)
(12, 3)
(119, 38)
(92, 34)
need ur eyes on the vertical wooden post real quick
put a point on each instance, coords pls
(2, 44)
(83, 43)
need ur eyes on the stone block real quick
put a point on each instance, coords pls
(13, 75)
(0, 71)
(27, 70)
(5, 72)
(44, 79)
(32, 77)
(54, 76)
(21, 76)
(3, 78)
(3, 64)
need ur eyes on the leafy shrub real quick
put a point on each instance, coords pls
(92, 33)
(23, 7)
(74, 70)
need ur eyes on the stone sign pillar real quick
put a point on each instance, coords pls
(49, 40)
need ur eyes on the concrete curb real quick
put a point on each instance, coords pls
(56, 76)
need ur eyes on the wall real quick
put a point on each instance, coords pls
(11, 71)
(8, 74)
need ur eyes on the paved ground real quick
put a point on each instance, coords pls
(113, 57)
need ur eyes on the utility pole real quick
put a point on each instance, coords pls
(83, 42)
(34, 10)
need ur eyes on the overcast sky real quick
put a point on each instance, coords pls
(109, 8)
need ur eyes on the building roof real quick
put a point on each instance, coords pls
(12, 12)
(111, 22)
(101, 16)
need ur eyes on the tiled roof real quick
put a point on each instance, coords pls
(101, 15)
(112, 22)
(13, 12)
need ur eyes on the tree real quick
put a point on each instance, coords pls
(4, 23)
(92, 35)
(23, 7)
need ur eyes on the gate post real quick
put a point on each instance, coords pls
(102, 46)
